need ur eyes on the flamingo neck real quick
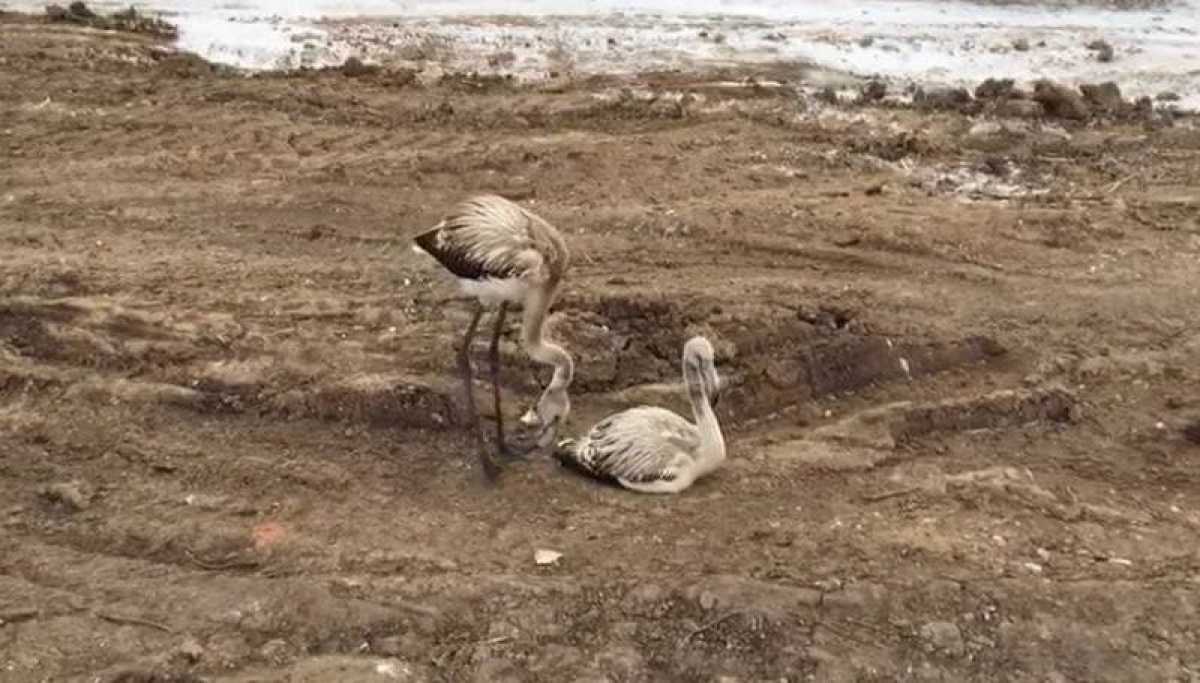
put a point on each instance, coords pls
(712, 442)
(533, 339)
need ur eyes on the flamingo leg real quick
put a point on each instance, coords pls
(490, 470)
(506, 449)
(494, 358)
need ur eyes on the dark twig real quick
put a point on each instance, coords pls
(13, 616)
(132, 621)
(876, 497)
(711, 624)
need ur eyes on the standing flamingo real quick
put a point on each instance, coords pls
(502, 255)
(651, 449)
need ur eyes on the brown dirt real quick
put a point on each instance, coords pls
(958, 424)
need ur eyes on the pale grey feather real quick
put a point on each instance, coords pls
(501, 239)
(641, 444)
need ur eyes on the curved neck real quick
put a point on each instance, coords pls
(712, 442)
(533, 325)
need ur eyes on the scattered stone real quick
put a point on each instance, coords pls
(612, 42)
(206, 502)
(829, 585)
(276, 651)
(191, 650)
(944, 637)
(1021, 45)
(942, 98)
(1020, 109)
(775, 37)
(995, 166)
(354, 67)
(1168, 96)
(126, 20)
(997, 89)
(866, 41)
(74, 496)
(81, 10)
(1102, 48)
(543, 557)
(828, 95)
(1144, 106)
(1105, 97)
(985, 129)
(1060, 101)
(874, 91)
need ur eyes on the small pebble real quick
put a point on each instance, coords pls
(71, 495)
(191, 650)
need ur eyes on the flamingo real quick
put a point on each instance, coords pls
(505, 255)
(653, 450)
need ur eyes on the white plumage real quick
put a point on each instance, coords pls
(651, 449)
(502, 255)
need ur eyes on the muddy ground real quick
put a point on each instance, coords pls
(963, 355)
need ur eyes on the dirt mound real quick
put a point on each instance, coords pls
(129, 20)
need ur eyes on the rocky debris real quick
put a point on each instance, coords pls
(1021, 45)
(129, 20)
(943, 637)
(1060, 101)
(766, 600)
(866, 41)
(1020, 109)
(1168, 96)
(874, 91)
(775, 37)
(354, 67)
(998, 89)
(276, 651)
(73, 496)
(942, 98)
(1102, 48)
(996, 166)
(1104, 97)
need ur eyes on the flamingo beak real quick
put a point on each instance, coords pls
(531, 418)
(719, 384)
